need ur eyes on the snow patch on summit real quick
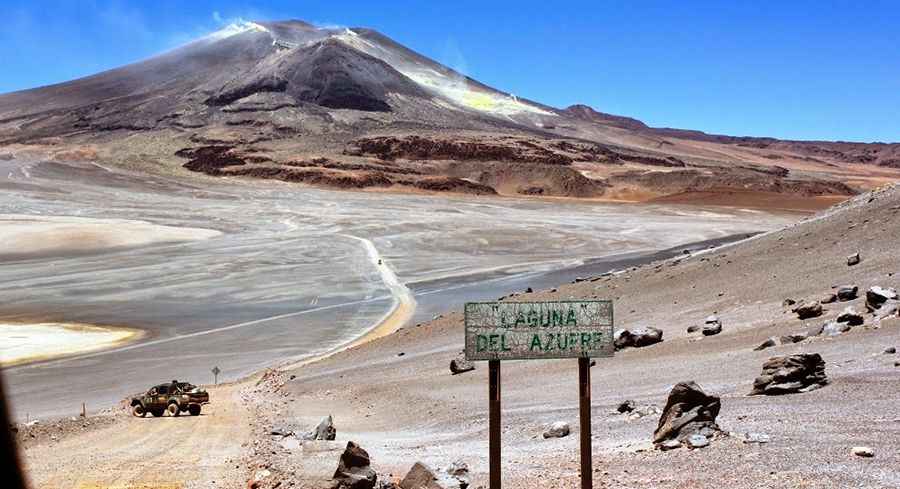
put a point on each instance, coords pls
(236, 28)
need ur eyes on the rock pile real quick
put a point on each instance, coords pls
(460, 365)
(791, 374)
(638, 337)
(688, 417)
(353, 470)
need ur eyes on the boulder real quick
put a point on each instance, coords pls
(806, 310)
(325, 430)
(847, 292)
(688, 411)
(460, 365)
(353, 470)
(791, 374)
(637, 338)
(853, 259)
(851, 317)
(834, 328)
(559, 429)
(712, 326)
(878, 296)
(420, 476)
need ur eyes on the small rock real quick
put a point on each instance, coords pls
(890, 350)
(694, 328)
(851, 317)
(669, 445)
(806, 310)
(625, 406)
(828, 298)
(853, 259)
(529, 290)
(788, 302)
(325, 430)
(558, 429)
(847, 292)
(755, 438)
(866, 452)
(637, 338)
(697, 441)
(769, 343)
(792, 338)
(712, 326)
(834, 328)
(891, 308)
(877, 296)
(460, 365)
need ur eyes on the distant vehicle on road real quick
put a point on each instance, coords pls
(174, 397)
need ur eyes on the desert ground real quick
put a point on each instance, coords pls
(396, 397)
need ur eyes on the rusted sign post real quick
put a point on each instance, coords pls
(497, 331)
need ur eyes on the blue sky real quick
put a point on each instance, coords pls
(799, 69)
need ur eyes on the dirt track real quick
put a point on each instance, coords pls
(159, 453)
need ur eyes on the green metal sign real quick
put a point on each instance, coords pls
(538, 330)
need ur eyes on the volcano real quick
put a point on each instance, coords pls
(351, 108)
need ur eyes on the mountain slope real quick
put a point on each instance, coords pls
(351, 108)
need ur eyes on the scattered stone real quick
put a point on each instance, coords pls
(897, 364)
(353, 470)
(420, 476)
(755, 438)
(847, 292)
(637, 338)
(460, 365)
(459, 470)
(853, 259)
(697, 441)
(851, 317)
(529, 290)
(559, 429)
(688, 411)
(694, 328)
(791, 374)
(878, 296)
(828, 298)
(669, 445)
(890, 350)
(834, 328)
(712, 326)
(890, 308)
(866, 452)
(789, 339)
(625, 406)
(788, 302)
(325, 430)
(806, 310)
(769, 343)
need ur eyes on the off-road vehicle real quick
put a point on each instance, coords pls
(174, 397)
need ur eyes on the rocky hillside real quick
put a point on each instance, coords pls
(351, 108)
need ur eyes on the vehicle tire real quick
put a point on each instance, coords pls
(194, 409)
(173, 409)
(138, 411)
(157, 412)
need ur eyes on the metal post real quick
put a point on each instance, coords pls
(494, 415)
(584, 407)
(83, 410)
